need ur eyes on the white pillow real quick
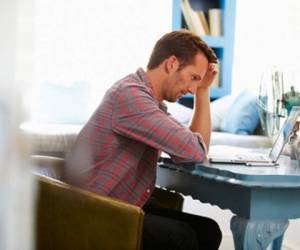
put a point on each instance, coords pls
(181, 113)
(218, 109)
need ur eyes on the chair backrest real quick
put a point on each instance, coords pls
(71, 218)
(54, 167)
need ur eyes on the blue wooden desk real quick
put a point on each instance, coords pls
(263, 198)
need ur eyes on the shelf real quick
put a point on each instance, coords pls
(214, 41)
(222, 45)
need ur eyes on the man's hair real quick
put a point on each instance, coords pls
(184, 45)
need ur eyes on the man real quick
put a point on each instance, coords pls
(117, 150)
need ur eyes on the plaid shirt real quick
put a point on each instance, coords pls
(117, 150)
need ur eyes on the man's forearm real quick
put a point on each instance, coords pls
(201, 120)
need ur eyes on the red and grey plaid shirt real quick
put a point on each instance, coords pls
(117, 150)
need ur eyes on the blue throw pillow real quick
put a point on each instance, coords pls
(242, 117)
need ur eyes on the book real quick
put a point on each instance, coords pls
(191, 18)
(215, 22)
(186, 15)
(203, 21)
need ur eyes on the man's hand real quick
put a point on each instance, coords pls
(209, 76)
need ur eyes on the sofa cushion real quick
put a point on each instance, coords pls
(242, 117)
(57, 103)
(181, 113)
(218, 108)
(50, 139)
(245, 141)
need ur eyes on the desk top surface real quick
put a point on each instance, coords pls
(250, 192)
(286, 174)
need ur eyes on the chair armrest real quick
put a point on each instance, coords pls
(71, 218)
(48, 166)
(167, 199)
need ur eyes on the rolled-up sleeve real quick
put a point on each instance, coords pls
(136, 115)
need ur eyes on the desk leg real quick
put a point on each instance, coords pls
(256, 234)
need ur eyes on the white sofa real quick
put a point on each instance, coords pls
(55, 139)
(219, 109)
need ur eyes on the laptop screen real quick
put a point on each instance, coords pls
(284, 133)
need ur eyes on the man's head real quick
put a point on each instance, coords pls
(184, 45)
(182, 59)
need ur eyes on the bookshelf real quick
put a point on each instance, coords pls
(222, 45)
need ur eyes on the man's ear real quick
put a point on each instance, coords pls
(171, 64)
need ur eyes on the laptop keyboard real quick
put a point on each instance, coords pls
(252, 157)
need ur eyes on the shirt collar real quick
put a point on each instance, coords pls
(143, 77)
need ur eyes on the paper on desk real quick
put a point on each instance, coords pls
(226, 150)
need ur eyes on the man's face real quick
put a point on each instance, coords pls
(185, 80)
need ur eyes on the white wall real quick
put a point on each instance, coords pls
(97, 42)
(267, 33)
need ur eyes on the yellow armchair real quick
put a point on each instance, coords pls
(71, 218)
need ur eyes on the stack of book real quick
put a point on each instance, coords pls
(196, 20)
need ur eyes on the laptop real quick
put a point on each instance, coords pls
(253, 159)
